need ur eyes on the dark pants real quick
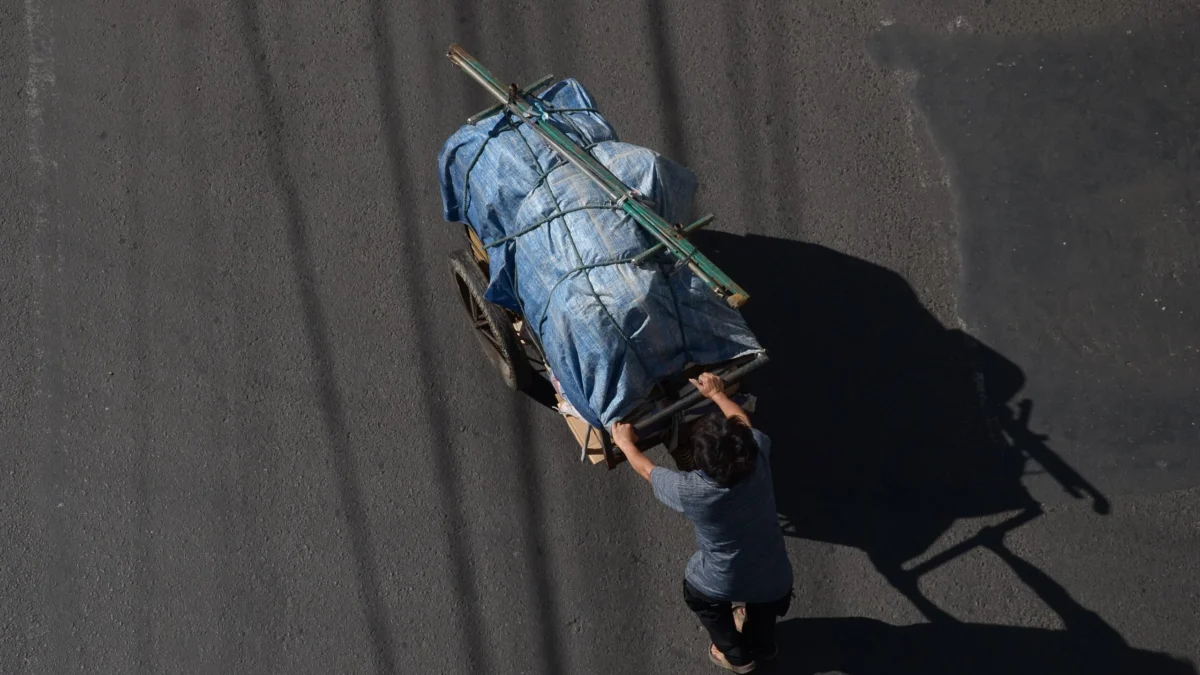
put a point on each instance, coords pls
(757, 638)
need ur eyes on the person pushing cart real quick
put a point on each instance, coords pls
(578, 284)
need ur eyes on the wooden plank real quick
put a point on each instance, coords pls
(579, 429)
(595, 450)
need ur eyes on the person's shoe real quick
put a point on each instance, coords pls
(719, 659)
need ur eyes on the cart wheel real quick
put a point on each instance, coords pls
(492, 326)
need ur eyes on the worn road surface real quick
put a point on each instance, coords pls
(247, 430)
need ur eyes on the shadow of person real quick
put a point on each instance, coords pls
(889, 426)
(1085, 645)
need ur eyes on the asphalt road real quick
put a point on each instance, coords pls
(246, 429)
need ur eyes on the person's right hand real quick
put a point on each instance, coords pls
(709, 385)
(624, 435)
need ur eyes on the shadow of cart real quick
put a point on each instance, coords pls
(892, 426)
(858, 646)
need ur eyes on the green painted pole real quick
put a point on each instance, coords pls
(531, 90)
(703, 222)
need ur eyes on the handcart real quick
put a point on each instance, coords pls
(511, 343)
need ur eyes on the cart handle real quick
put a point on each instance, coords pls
(695, 396)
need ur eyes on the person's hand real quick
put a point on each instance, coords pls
(710, 385)
(625, 437)
(624, 434)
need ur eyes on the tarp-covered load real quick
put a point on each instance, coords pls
(559, 253)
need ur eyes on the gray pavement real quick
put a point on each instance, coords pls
(247, 430)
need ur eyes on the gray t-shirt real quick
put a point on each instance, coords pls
(742, 557)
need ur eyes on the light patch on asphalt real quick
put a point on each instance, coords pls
(930, 171)
(39, 85)
(39, 91)
(1076, 227)
(960, 24)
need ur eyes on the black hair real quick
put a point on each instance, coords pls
(723, 448)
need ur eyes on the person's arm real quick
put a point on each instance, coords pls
(626, 439)
(714, 388)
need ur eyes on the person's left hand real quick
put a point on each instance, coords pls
(709, 384)
(624, 434)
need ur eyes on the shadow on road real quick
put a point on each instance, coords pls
(900, 425)
(896, 427)
(857, 646)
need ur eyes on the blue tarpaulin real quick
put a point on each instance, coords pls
(558, 250)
